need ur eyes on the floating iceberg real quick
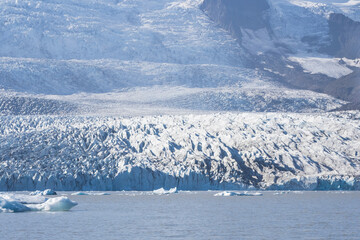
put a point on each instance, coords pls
(12, 206)
(231, 194)
(47, 192)
(89, 193)
(101, 194)
(55, 204)
(162, 191)
(79, 194)
(225, 194)
(23, 203)
(23, 199)
(281, 193)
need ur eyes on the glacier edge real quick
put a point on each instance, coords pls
(190, 152)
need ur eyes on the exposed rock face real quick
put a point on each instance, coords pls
(345, 36)
(345, 42)
(234, 15)
(347, 87)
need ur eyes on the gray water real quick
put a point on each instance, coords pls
(194, 215)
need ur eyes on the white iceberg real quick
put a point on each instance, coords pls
(225, 194)
(55, 204)
(46, 192)
(23, 199)
(22, 203)
(162, 191)
(12, 206)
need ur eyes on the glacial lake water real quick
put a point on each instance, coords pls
(193, 215)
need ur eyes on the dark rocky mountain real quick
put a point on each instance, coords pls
(345, 36)
(239, 16)
(235, 15)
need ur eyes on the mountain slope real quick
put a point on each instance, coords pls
(290, 34)
(71, 50)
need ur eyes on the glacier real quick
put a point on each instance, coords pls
(314, 151)
(103, 95)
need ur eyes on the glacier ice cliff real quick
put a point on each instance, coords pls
(190, 152)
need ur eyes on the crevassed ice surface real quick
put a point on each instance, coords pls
(269, 151)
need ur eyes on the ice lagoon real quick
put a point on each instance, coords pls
(193, 215)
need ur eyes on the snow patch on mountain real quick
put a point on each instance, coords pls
(352, 62)
(303, 25)
(351, 8)
(331, 67)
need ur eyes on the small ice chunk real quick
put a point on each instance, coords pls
(100, 194)
(90, 193)
(225, 194)
(79, 194)
(281, 193)
(230, 194)
(46, 192)
(162, 191)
